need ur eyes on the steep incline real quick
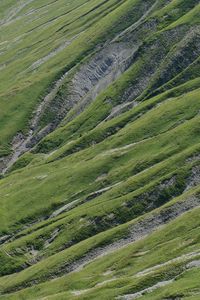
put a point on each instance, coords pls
(100, 149)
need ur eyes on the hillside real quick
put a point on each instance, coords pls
(99, 149)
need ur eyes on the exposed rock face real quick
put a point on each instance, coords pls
(194, 178)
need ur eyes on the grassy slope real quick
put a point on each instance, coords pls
(37, 41)
(124, 264)
(145, 158)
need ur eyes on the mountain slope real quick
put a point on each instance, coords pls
(99, 149)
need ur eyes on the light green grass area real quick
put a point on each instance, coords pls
(124, 163)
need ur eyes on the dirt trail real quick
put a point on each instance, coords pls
(136, 24)
(14, 11)
(145, 291)
(183, 257)
(44, 59)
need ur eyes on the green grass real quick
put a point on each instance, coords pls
(151, 251)
(115, 172)
(14, 88)
(76, 172)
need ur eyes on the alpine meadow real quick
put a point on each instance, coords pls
(99, 149)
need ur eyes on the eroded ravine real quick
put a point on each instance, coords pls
(26, 142)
